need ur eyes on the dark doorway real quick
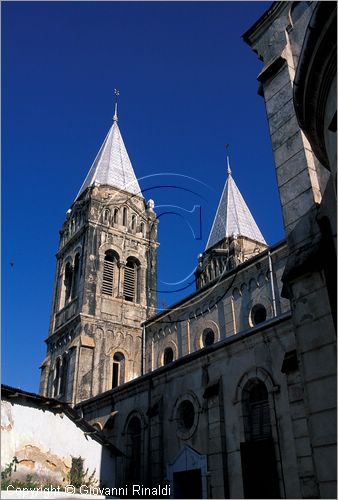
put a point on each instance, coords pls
(188, 484)
(260, 478)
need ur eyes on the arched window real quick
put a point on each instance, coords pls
(106, 215)
(109, 266)
(259, 466)
(131, 278)
(133, 222)
(116, 215)
(64, 376)
(133, 448)
(208, 337)
(256, 411)
(56, 382)
(118, 369)
(125, 216)
(258, 314)
(76, 275)
(168, 356)
(68, 281)
(142, 228)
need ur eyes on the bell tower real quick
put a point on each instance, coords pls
(105, 283)
(234, 236)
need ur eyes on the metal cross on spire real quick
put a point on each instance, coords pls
(228, 161)
(116, 93)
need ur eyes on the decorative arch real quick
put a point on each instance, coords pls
(255, 372)
(168, 344)
(134, 445)
(202, 325)
(118, 369)
(134, 413)
(131, 281)
(110, 273)
(119, 356)
(185, 413)
(258, 434)
(259, 298)
(109, 246)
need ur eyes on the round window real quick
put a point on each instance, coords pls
(168, 356)
(258, 314)
(185, 415)
(208, 337)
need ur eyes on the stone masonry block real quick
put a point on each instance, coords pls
(314, 306)
(325, 424)
(322, 395)
(328, 489)
(296, 186)
(297, 410)
(305, 465)
(215, 462)
(320, 363)
(302, 445)
(278, 100)
(274, 85)
(326, 463)
(284, 132)
(289, 149)
(308, 338)
(300, 427)
(296, 209)
(282, 116)
(295, 393)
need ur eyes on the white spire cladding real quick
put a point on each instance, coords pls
(233, 216)
(112, 164)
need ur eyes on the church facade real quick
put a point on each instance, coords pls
(231, 391)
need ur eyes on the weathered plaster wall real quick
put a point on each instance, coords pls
(45, 442)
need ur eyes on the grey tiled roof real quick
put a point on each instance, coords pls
(112, 165)
(233, 217)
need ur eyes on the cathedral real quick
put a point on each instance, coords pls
(230, 392)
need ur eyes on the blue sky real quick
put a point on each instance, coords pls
(188, 86)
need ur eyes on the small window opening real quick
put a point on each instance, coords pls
(68, 281)
(118, 369)
(116, 215)
(130, 281)
(106, 215)
(108, 273)
(168, 356)
(258, 314)
(185, 415)
(208, 337)
(125, 216)
(133, 222)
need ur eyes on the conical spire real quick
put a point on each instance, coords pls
(112, 164)
(233, 216)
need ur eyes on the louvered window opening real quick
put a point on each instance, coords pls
(108, 277)
(260, 425)
(129, 283)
